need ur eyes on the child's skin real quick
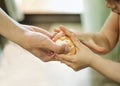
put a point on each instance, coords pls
(88, 45)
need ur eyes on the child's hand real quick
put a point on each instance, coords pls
(57, 34)
(85, 38)
(61, 38)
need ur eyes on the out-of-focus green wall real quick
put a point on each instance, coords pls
(94, 15)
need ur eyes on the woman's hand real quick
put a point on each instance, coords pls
(35, 40)
(38, 41)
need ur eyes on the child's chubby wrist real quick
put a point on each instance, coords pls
(93, 59)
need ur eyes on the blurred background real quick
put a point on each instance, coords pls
(19, 68)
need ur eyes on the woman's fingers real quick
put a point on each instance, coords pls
(37, 29)
(41, 30)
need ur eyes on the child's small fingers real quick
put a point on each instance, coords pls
(66, 31)
(63, 57)
(57, 30)
(58, 35)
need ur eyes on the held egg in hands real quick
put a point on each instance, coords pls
(67, 40)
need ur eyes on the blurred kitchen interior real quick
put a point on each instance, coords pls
(19, 68)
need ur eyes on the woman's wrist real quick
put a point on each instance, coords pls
(10, 29)
(19, 36)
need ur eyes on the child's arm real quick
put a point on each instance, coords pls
(103, 41)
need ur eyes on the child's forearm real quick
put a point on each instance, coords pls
(96, 41)
(106, 67)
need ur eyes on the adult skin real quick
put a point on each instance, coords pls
(34, 39)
